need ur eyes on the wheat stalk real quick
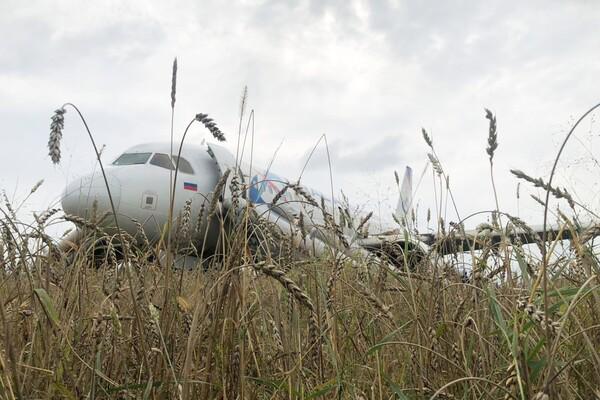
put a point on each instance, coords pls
(492, 134)
(539, 182)
(437, 167)
(364, 221)
(279, 195)
(298, 294)
(45, 216)
(56, 127)
(214, 201)
(174, 83)
(376, 302)
(427, 138)
(211, 126)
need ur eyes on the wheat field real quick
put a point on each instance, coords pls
(268, 322)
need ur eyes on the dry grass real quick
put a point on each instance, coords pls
(79, 325)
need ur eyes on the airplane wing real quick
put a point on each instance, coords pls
(476, 239)
(483, 237)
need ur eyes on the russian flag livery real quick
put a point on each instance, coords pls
(190, 186)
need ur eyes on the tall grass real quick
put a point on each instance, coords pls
(261, 322)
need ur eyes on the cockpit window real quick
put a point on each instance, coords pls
(159, 159)
(162, 160)
(184, 165)
(132, 159)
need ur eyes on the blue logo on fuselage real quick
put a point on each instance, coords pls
(264, 187)
(255, 190)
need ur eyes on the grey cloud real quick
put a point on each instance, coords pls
(36, 46)
(455, 42)
(363, 155)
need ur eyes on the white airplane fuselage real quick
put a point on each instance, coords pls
(139, 182)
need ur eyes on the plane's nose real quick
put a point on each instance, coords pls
(79, 196)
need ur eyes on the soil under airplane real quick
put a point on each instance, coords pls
(139, 181)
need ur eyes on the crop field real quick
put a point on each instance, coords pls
(262, 321)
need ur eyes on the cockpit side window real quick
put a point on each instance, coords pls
(132, 158)
(184, 165)
(162, 160)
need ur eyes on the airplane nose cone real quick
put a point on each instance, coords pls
(79, 196)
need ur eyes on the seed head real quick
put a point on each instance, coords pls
(185, 219)
(435, 163)
(279, 195)
(539, 182)
(492, 134)
(427, 138)
(234, 187)
(36, 186)
(56, 127)
(45, 216)
(300, 191)
(200, 219)
(174, 83)
(211, 126)
(364, 221)
(243, 101)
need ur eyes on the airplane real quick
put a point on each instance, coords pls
(140, 184)
(209, 176)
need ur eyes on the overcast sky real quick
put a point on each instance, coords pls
(369, 75)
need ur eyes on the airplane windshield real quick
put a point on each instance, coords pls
(162, 160)
(184, 165)
(132, 158)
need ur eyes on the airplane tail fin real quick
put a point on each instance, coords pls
(404, 205)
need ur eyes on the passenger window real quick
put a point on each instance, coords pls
(184, 165)
(132, 158)
(162, 160)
